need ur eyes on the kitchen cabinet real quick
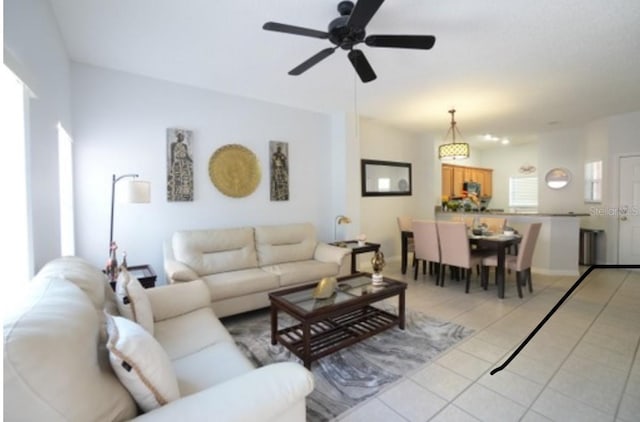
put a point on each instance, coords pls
(453, 178)
(447, 181)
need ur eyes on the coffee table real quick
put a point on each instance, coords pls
(328, 325)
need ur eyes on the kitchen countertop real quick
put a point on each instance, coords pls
(522, 214)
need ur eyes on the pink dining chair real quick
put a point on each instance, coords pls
(405, 225)
(455, 249)
(468, 221)
(426, 246)
(520, 263)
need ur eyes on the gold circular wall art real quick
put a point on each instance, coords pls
(234, 170)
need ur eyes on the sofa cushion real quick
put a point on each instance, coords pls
(185, 334)
(302, 271)
(210, 366)
(240, 283)
(141, 364)
(285, 243)
(132, 300)
(51, 369)
(214, 251)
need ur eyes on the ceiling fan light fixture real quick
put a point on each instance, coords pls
(349, 30)
(454, 150)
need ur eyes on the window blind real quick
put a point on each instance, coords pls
(523, 192)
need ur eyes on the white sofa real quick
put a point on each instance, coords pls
(240, 266)
(56, 367)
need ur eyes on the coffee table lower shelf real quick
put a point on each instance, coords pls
(332, 334)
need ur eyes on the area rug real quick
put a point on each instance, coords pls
(356, 373)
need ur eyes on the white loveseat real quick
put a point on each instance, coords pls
(240, 266)
(56, 366)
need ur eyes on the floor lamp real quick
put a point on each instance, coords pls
(138, 192)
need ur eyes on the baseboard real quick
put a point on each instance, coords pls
(547, 271)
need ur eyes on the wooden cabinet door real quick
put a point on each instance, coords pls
(453, 178)
(487, 185)
(447, 181)
(458, 180)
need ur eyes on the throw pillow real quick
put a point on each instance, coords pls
(141, 364)
(133, 302)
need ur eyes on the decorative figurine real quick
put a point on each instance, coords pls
(325, 288)
(112, 263)
(124, 260)
(377, 263)
(362, 238)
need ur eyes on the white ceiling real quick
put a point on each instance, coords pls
(511, 68)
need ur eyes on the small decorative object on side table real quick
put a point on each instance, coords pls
(111, 269)
(377, 263)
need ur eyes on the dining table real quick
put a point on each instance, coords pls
(499, 243)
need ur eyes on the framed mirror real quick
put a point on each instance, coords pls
(557, 178)
(385, 178)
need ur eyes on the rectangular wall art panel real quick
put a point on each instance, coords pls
(279, 166)
(179, 165)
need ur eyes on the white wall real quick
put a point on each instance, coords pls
(33, 49)
(379, 214)
(506, 162)
(561, 149)
(120, 123)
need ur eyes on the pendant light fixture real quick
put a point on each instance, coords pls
(454, 150)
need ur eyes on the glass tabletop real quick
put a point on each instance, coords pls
(347, 290)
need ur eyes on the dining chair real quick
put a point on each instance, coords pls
(520, 263)
(405, 225)
(494, 224)
(426, 247)
(455, 249)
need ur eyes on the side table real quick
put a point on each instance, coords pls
(357, 249)
(144, 273)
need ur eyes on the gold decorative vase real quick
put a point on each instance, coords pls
(377, 263)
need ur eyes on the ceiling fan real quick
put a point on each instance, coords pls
(347, 31)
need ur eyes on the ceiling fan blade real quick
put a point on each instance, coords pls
(362, 66)
(313, 60)
(296, 30)
(362, 13)
(423, 42)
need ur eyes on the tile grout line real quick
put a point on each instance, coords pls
(546, 385)
(626, 382)
(475, 381)
(528, 408)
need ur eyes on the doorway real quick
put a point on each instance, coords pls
(629, 210)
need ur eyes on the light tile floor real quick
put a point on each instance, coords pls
(583, 365)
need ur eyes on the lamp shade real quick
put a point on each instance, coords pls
(454, 151)
(137, 192)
